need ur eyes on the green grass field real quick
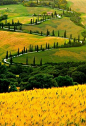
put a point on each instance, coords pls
(19, 10)
(24, 15)
(57, 24)
(55, 55)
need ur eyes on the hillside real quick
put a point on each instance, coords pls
(78, 5)
(44, 107)
(11, 41)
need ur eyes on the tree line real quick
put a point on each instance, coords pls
(8, 2)
(46, 76)
(53, 4)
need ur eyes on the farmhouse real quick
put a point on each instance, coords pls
(49, 13)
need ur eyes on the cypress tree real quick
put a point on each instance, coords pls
(14, 28)
(52, 15)
(70, 9)
(24, 49)
(34, 61)
(30, 48)
(18, 22)
(26, 60)
(37, 1)
(55, 13)
(41, 62)
(65, 34)
(69, 41)
(5, 21)
(36, 22)
(84, 38)
(20, 27)
(47, 33)
(31, 21)
(30, 32)
(12, 22)
(74, 40)
(22, 52)
(45, 17)
(70, 36)
(41, 33)
(54, 45)
(63, 12)
(41, 47)
(7, 55)
(10, 54)
(53, 34)
(9, 27)
(35, 48)
(11, 60)
(48, 46)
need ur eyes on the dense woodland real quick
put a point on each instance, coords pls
(41, 76)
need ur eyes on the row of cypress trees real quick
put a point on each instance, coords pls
(37, 48)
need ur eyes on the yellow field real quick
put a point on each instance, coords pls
(44, 107)
(23, 19)
(11, 41)
(78, 5)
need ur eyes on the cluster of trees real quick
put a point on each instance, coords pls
(3, 17)
(46, 76)
(14, 26)
(43, 17)
(74, 16)
(7, 2)
(54, 4)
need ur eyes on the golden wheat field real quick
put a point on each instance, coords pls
(44, 107)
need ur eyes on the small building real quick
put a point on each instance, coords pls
(49, 13)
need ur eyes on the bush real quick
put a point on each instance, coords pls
(41, 81)
(4, 83)
(12, 88)
(79, 77)
(64, 81)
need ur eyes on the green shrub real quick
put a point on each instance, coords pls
(41, 81)
(64, 81)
